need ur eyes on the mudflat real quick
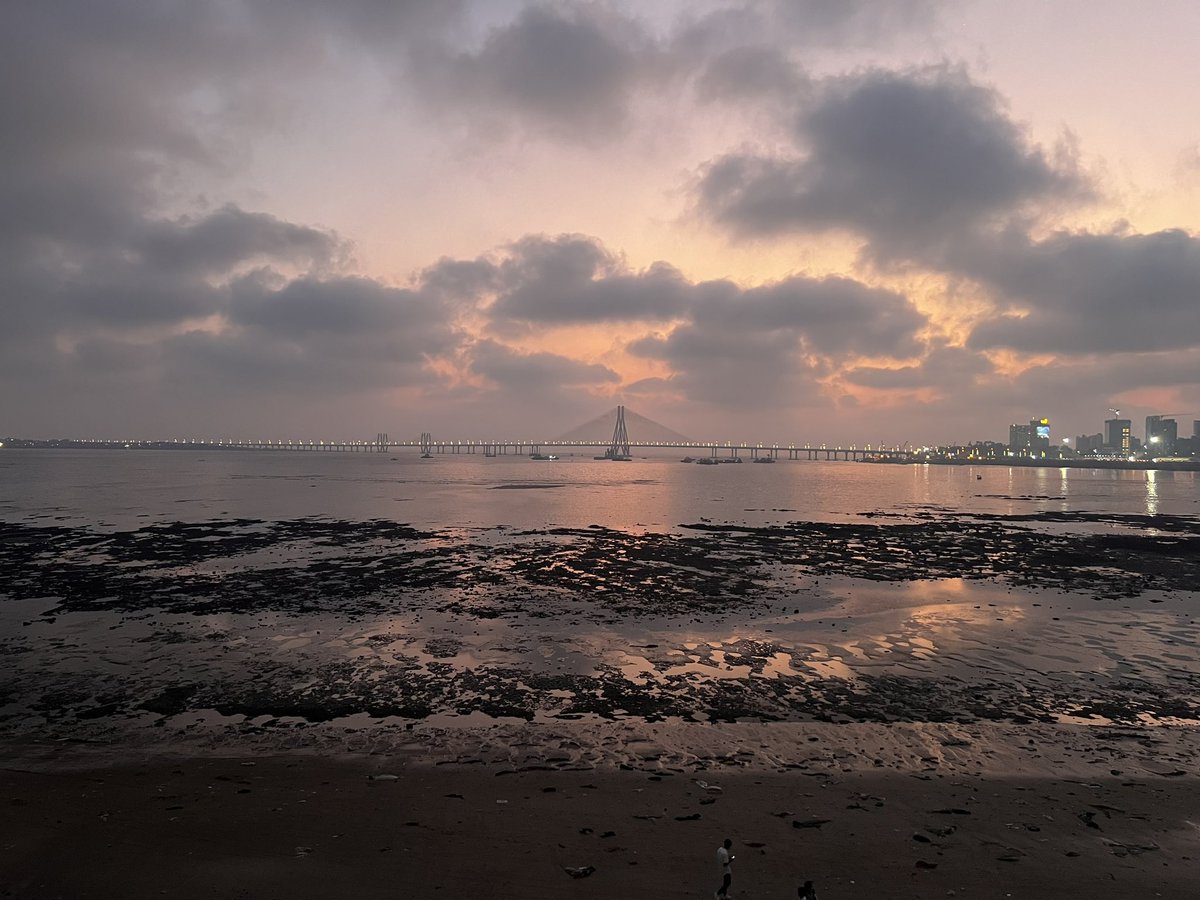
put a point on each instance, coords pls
(941, 705)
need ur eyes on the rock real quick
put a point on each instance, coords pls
(579, 871)
(810, 823)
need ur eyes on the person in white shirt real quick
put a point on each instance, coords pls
(724, 858)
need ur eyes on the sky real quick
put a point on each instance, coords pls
(827, 221)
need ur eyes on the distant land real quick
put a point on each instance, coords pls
(586, 433)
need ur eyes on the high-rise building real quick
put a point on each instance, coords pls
(1162, 434)
(1116, 435)
(1086, 443)
(1039, 434)
(1020, 438)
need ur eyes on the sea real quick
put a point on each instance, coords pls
(108, 489)
(200, 600)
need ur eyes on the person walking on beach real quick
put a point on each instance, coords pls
(724, 858)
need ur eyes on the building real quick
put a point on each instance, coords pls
(1116, 435)
(1039, 435)
(1162, 434)
(1088, 443)
(1030, 440)
(1020, 439)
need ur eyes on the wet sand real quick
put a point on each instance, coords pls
(947, 705)
(1066, 813)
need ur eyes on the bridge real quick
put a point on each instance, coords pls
(619, 448)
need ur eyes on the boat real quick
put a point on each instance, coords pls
(764, 459)
(426, 456)
(542, 456)
(688, 459)
(706, 461)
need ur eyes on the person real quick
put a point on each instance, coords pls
(807, 892)
(724, 858)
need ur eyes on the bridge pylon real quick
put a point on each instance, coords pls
(619, 448)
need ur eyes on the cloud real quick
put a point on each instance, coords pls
(773, 344)
(339, 307)
(946, 368)
(515, 371)
(569, 70)
(906, 160)
(1086, 293)
(572, 279)
(752, 74)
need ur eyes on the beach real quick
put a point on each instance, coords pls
(863, 811)
(993, 699)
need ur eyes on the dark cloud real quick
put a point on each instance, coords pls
(577, 70)
(572, 279)
(340, 307)
(567, 69)
(1089, 293)
(752, 74)
(513, 370)
(946, 368)
(848, 22)
(229, 237)
(905, 159)
(805, 24)
(458, 281)
(762, 346)
(166, 272)
(1081, 387)
(109, 299)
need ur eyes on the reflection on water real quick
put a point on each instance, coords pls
(822, 645)
(112, 489)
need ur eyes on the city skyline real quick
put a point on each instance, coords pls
(861, 222)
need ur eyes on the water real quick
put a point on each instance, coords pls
(293, 615)
(114, 489)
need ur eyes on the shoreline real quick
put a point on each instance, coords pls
(967, 705)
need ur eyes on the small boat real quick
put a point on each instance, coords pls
(426, 456)
(688, 459)
(765, 459)
(542, 456)
(706, 461)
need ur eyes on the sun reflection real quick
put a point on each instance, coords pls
(1151, 492)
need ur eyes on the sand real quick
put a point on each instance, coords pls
(969, 707)
(864, 811)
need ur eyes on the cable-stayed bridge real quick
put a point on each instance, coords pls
(622, 445)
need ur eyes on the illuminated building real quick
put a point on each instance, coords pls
(1162, 434)
(1020, 439)
(1116, 434)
